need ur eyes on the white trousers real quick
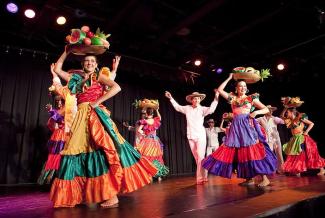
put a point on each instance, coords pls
(211, 149)
(278, 152)
(198, 148)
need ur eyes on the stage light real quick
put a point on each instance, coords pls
(197, 63)
(12, 7)
(219, 70)
(280, 67)
(29, 13)
(61, 20)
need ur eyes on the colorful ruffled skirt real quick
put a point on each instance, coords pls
(151, 147)
(55, 145)
(97, 163)
(245, 146)
(302, 154)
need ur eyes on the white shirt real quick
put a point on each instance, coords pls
(270, 126)
(195, 117)
(212, 136)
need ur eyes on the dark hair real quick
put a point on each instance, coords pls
(57, 100)
(89, 54)
(291, 109)
(150, 111)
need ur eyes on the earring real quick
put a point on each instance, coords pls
(247, 90)
(236, 91)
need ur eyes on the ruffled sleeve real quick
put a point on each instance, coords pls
(142, 122)
(55, 116)
(303, 116)
(255, 96)
(104, 71)
(157, 122)
(75, 84)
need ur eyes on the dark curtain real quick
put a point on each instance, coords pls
(24, 82)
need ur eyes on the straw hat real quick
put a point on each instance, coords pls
(271, 108)
(194, 94)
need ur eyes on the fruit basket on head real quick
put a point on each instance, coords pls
(291, 102)
(83, 41)
(146, 103)
(249, 74)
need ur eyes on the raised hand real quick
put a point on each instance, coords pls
(116, 62)
(52, 70)
(48, 107)
(168, 95)
(126, 124)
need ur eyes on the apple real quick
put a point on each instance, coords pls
(85, 29)
(87, 41)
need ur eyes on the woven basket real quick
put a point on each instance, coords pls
(294, 104)
(78, 49)
(149, 105)
(247, 77)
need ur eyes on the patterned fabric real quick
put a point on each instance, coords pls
(244, 145)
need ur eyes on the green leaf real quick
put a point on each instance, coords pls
(265, 73)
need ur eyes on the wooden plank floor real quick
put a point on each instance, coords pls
(174, 197)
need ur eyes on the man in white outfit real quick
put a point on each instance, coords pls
(196, 135)
(269, 123)
(212, 137)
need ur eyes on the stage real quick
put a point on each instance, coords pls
(288, 196)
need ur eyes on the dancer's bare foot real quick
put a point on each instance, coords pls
(265, 182)
(247, 182)
(159, 179)
(110, 203)
(321, 172)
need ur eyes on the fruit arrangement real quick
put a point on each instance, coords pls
(147, 103)
(250, 75)
(291, 101)
(84, 41)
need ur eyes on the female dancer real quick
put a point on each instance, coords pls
(245, 142)
(301, 150)
(97, 163)
(56, 141)
(150, 146)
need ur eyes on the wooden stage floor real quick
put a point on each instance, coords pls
(177, 197)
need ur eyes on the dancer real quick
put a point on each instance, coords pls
(195, 114)
(56, 141)
(245, 142)
(226, 117)
(301, 150)
(150, 145)
(96, 163)
(212, 137)
(269, 123)
(137, 135)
